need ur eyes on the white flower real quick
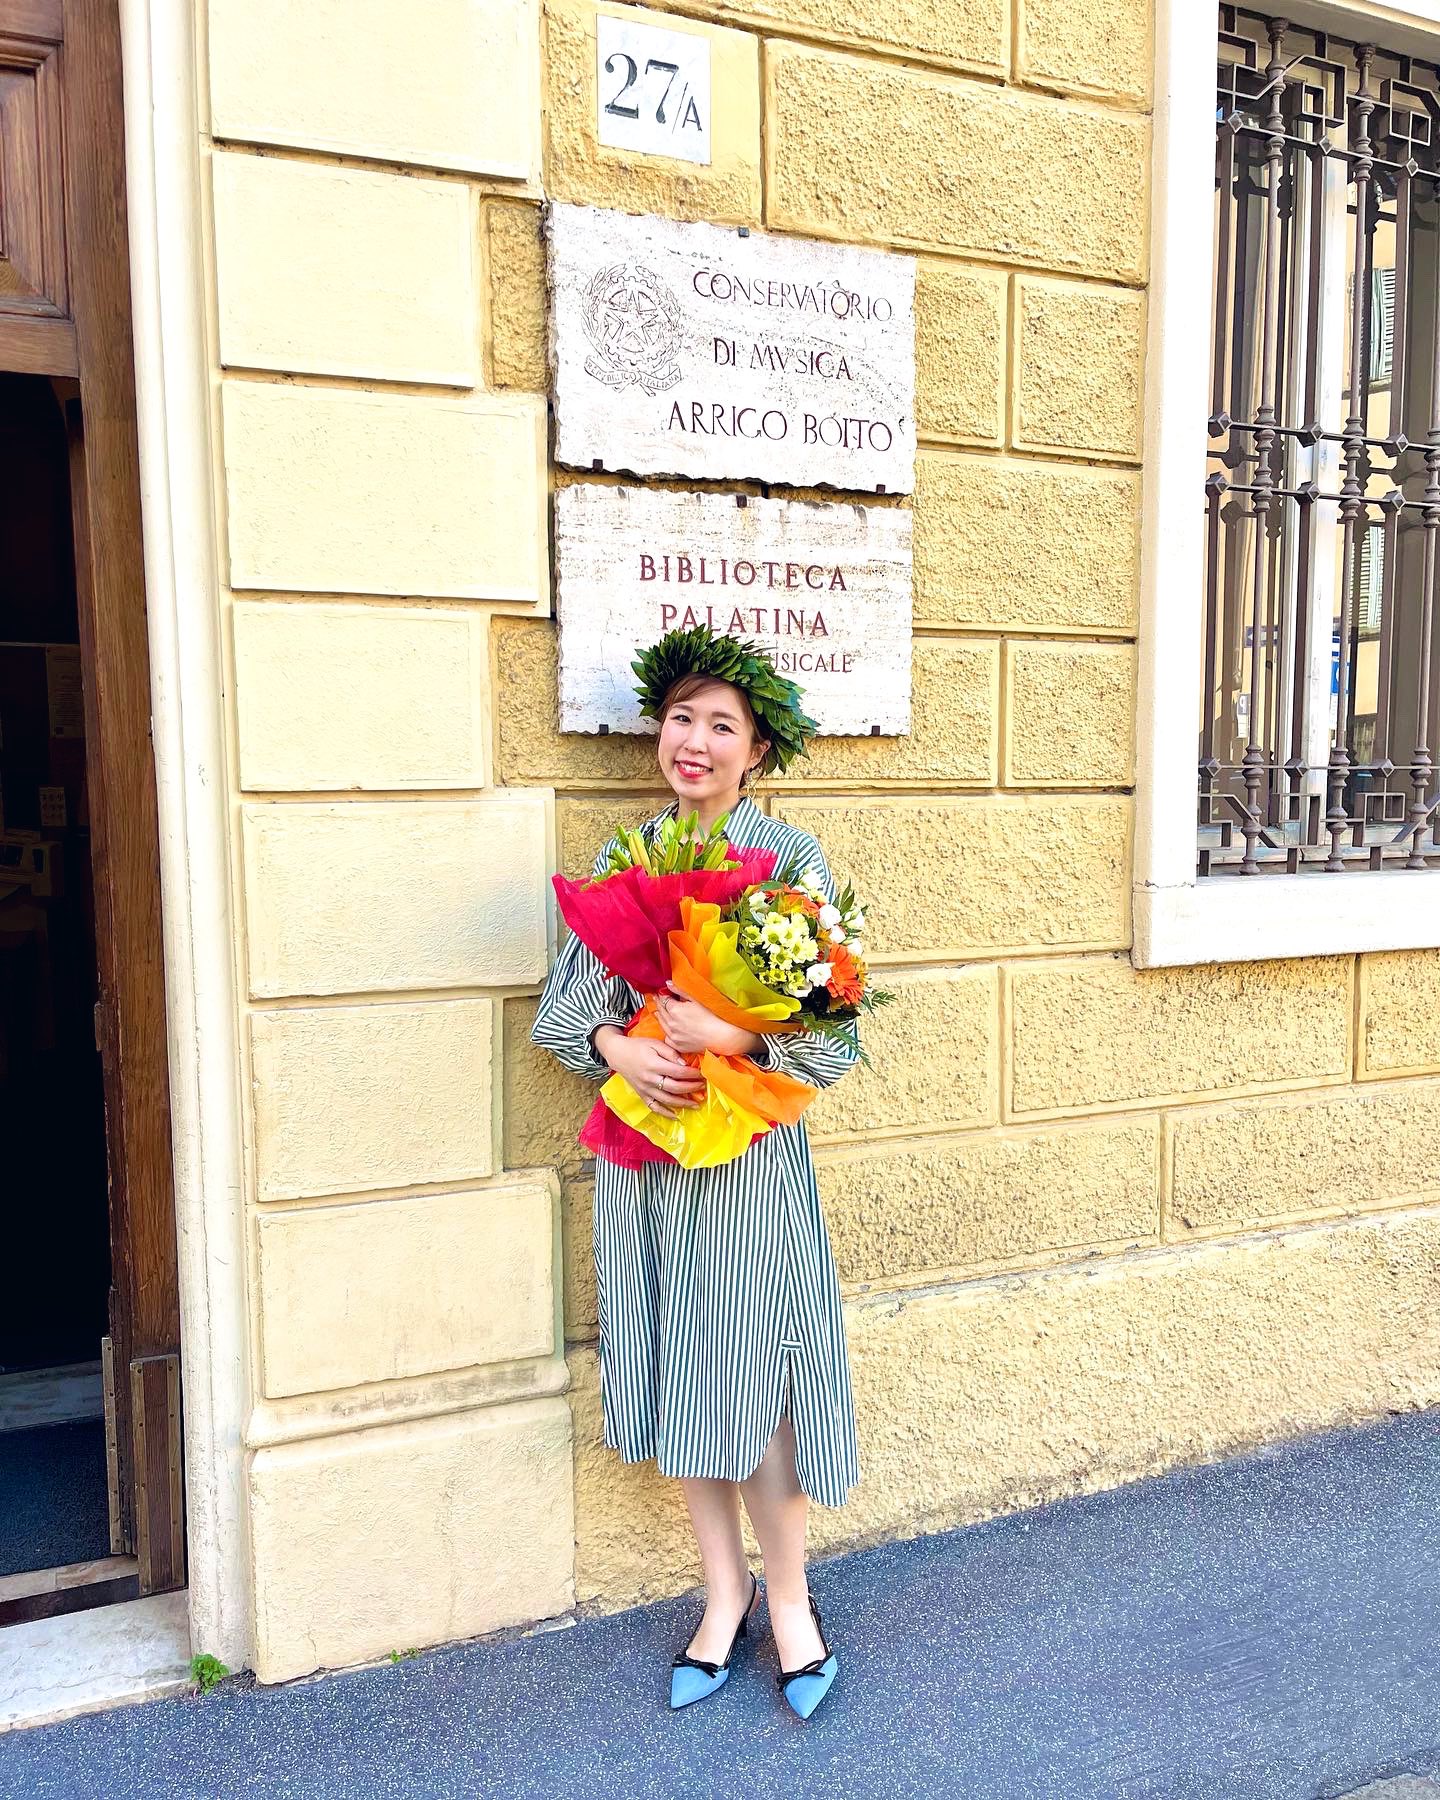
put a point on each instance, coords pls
(837, 934)
(856, 920)
(757, 902)
(829, 915)
(818, 974)
(857, 949)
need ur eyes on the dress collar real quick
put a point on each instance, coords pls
(740, 817)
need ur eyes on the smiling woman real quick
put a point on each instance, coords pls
(722, 1344)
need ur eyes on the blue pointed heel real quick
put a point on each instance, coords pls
(691, 1679)
(806, 1687)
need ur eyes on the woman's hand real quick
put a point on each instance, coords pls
(657, 1072)
(691, 1028)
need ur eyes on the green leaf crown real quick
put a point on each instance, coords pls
(701, 651)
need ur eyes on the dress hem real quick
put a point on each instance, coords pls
(821, 1499)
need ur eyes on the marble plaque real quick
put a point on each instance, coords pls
(696, 350)
(824, 587)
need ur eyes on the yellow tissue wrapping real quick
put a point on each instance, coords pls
(698, 1137)
(741, 1101)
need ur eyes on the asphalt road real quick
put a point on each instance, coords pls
(1267, 1628)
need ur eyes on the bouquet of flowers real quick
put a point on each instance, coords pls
(763, 954)
(802, 946)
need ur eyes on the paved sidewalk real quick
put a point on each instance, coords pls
(1267, 1628)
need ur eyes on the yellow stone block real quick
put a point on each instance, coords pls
(1069, 714)
(344, 271)
(515, 278)
(359, 696)
(1101, 1033)
(460, 90)
(992, 1396)
(633, 1542)
(392, 1288)
(1086, 46)
(868, 153)
(1400, 1012)
(545, 1105)
(337, 491)
(410, 1534)
(1001, 542)
(1079, 367)
(530, 747)
(1072, 1382)
(997, 873)
(366, 897)
(936, 1056)
(1247, 1164)
(953, 737)
(966, 34)
(959, 352)
(937, 1205)
(578, 167)
(351, 1098)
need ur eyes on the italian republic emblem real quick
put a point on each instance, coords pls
(633, 323)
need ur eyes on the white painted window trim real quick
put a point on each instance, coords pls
(1179, 918)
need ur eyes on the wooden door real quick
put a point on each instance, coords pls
(65, 314)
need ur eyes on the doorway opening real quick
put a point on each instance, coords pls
(91, 1509)
(60, 1529)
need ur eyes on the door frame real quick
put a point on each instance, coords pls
(166, 123)
(70, 320)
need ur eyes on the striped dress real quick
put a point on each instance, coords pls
(719, 1301)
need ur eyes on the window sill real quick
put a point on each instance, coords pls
(1234, 918)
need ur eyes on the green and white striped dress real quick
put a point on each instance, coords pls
(719, 1301)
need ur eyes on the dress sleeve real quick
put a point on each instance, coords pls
(807, 1055)
(579, 996)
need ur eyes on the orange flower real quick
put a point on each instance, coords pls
(792, 901)
(847, 978)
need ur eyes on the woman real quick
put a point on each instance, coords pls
(722, 1346)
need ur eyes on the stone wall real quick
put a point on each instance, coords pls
(383, 496)
(1057, 1230)
(1091, 1221)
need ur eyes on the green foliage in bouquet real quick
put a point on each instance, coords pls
(677, 849)
(701, 651)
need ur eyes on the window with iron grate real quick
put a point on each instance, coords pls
(1320, 687)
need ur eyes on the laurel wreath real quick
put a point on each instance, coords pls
(701, 651)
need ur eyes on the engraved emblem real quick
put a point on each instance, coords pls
(633, 323)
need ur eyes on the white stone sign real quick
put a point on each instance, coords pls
(696, 350)
(653, 89)
(823, 586)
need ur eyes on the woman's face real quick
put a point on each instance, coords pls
(706, 745)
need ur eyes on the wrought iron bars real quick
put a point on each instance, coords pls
(1319, 685)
